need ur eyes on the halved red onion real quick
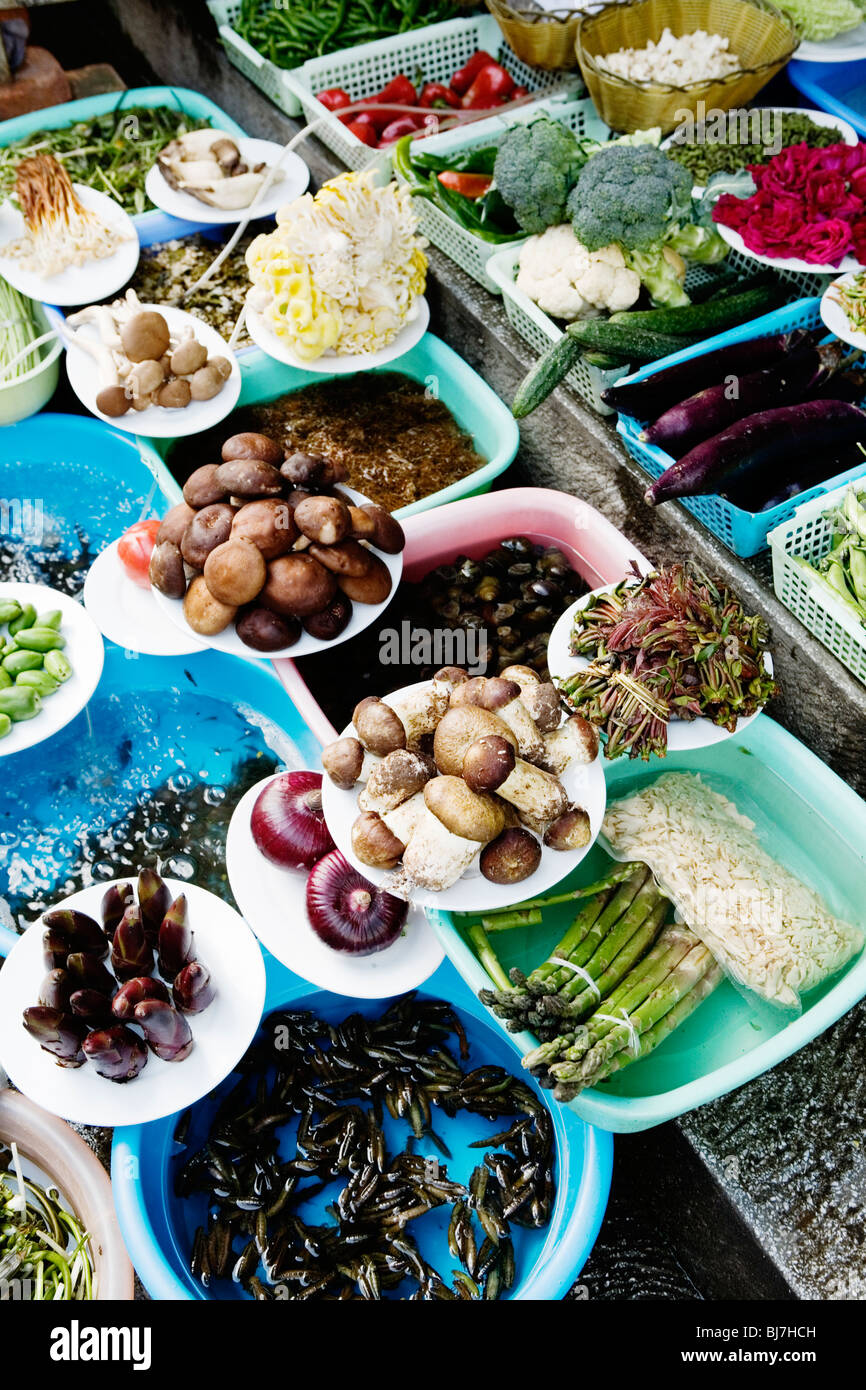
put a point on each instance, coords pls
(287, 822)
(348, 912)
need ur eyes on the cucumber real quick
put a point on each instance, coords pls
(629, 340)
(712, 316)
(545, 376)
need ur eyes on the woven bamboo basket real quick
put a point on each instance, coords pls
(759, 34)
(542, 38)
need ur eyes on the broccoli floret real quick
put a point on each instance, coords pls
(629, 194)
(536, 167)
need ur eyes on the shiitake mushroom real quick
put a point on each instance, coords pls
(373, 586)
(235, 572)
(330, 621)
(265, 631)
(347, 557)
(249, 478)
(167, 573)
(210, 527)
(268, 523)
(297, 585)
(204, 613)
(174, 523)
(249, 445)
(201, 488)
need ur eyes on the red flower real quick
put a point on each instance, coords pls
(732, 211)
(787, 172)
(774, 225)
(827, 196)
(825, 243)
(858, 236)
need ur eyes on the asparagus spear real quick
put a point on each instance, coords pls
(665, 1026)
(646, 900)
(579, 945)
(690, 970)
(669, 950)
(616, 876)
(617, 972)
(488, 957)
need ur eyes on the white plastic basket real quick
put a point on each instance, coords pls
(254, 65)
(470, 252)
(539, 330)
(807, 535)
(435, 53)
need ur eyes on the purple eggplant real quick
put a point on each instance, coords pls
(131, 952)
(117, 1053)
(168, 1034)
(193, 988)
(154, 899)
(115, 902)
(93, 1007)
(135, 992)
(768, 445)
(55, 990)
(89, 973)
(58, 1033)
(647, 398)
(802, 376)
(175, 940)
(79, 931)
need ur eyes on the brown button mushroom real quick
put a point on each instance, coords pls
(458, 728)
(145, 336)
(397, 777)
(174, 523)
(325, 520)
(209, 528)
(511, 857)
(297, 585)
(373, 842)
(344, 557)
(487, 763)
(265, 631)
(235, 572)
(167, 573)
(210, 379)
(378, 726)
(363, 525)
(343, 760)
(372, 587)
(187, 357)
(203, 487)
(331, 621)
(205, 614)
(174, 395)
(268, 523)
(249, 478)
(113, 401)
(388, 534)
(249, 445)
(571, 830)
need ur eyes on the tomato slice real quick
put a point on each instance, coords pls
(470, 185)
(135, 548)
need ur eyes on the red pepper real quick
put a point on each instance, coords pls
(396, 129)
(399, 92)
(465, 76)
(518, 92)
(492, 87)
(364, 129)
(437, 94)
(470, 185)
(334, 98)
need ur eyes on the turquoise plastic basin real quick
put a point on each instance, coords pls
(808, 819)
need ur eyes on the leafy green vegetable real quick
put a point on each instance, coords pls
(821, 19)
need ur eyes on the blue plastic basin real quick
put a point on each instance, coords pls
(158, 1227)
(150, 771)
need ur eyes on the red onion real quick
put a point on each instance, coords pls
(287, 823)
(347, 912)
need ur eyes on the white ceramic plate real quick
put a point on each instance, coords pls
(329, 363)
(734, 240)
(126, 614)
(273, 901)
(295, 178)
(683, 734)
(78, 284)
(85, 653)
(822, 118)
(844, 48)
(474, 893)
(835, 317)
(222, 1032)
(157, 421)
(363, 614)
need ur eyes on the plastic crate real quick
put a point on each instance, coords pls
(153, 225)
(807, 535)
(436, 52)
(745, 533)
(468, 251)
(539, 330)
(254, 65)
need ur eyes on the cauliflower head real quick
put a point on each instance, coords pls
(569, 282)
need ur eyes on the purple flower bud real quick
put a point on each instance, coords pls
(168, 1033)
(117, 1053)
(58, 1033)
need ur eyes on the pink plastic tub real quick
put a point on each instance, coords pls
(599, 552)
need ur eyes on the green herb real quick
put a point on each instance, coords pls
(703, 158)
(40, 1241)
(18, 328)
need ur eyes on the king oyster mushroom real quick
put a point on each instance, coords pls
(456, 824)
(208, 165)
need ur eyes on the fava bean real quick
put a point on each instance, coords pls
(20, 703)
(51, 619)
(22, 661)
(39, 681)
(5, 678)
(10, 609)
(26, 618)
(5, 725)
(40, 639)
(57, 665)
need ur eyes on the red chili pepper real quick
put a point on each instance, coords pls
(437, 94)
(470, 185)
(334, 98)
(399, 91)
(396, 129)
(364, 129)
(492, 87)
(465, 76)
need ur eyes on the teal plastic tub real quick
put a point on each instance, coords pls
(175, 98)
(158, 1226)
(810, 821)
(477, 409)
(745, 533)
